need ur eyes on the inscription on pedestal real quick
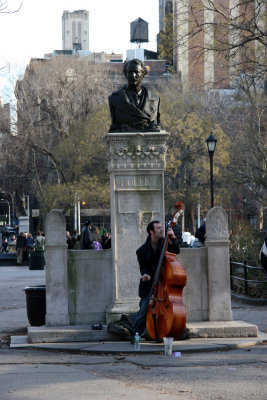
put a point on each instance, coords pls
(143, 182)
(145, 165)
(131, 202)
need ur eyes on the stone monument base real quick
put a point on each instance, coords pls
(129, 306)
(69, 333)
(221, 329)
(84, 333)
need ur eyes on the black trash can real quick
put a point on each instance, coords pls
(36, 259)
(36, 304)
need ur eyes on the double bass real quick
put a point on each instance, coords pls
(166, 314)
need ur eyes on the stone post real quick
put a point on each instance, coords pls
(217, 243)
(56, 270)
(136, 166)
(24, 224)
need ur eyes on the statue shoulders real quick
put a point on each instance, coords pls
(119, 91)
(122, 90)
(150, 94)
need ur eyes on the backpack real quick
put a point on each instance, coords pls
(124, 327)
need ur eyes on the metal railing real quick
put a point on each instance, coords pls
(244, 268)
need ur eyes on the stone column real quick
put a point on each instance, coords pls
(56, 270)
(24, 224)
(136, 166)
(217, 243)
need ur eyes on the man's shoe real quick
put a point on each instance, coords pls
(146, 336)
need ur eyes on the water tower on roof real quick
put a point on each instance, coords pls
(139, 31)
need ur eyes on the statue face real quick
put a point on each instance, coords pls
(134, 75)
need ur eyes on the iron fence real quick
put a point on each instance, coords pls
(243, 270)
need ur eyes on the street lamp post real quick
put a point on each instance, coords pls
(211, 144)
(13, 206)
(77, 213)
(79, 216)
(27, 197)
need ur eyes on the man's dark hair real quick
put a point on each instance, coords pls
(134, 61)
(150, 226)
(88, 222)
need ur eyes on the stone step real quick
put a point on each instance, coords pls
(221, 329)
(73, 333)
(85, 333)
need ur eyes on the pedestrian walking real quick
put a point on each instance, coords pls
(20, 245)
(186, 237)
(106, 241)
(69, 240)
(29, 245)
(86, 237)
(40, 241)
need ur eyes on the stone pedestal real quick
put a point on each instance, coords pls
(136, 166)
(217, 243)
(56, 270)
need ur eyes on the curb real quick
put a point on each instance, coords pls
(192, 346)
(249, 300)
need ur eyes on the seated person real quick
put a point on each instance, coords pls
(4, 247)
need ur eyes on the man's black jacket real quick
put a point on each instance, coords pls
(21, 242)
(148, 261)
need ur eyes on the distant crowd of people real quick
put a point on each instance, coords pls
(91, 238)
(25, 244)
(95, 238)
(187, 239)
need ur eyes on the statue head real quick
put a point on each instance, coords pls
(134, 71)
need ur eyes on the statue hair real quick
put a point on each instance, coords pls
(136, 61)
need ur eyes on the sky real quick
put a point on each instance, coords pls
(36, 28)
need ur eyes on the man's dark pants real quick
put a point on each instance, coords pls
(140, 319)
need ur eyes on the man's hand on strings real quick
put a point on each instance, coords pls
(146, 277)
(170, 233)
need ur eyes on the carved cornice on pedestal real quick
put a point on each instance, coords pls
(135, 150)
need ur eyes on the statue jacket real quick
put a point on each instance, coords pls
(148, 261)
(125, 113)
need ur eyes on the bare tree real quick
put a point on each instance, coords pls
(189, 118)
(234, 32)
(53, 95)
(53, 98)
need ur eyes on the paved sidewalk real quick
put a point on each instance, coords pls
(183, 346)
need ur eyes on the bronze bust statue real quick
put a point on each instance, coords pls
(134, 107)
